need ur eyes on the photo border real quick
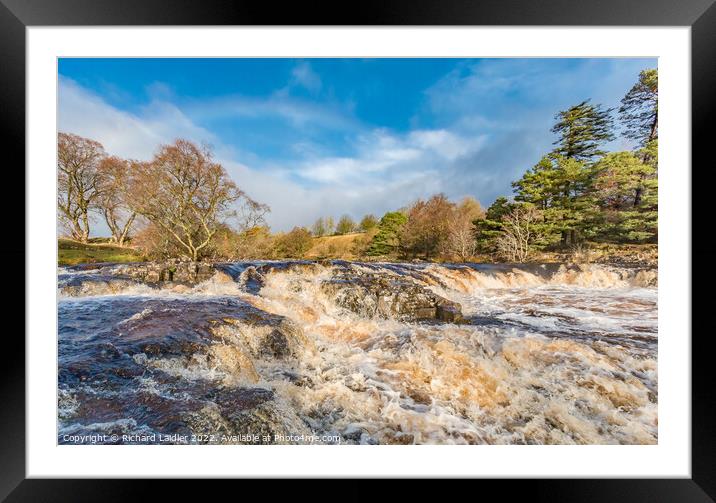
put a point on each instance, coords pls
(16, 15)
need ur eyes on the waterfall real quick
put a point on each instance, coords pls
(372, 353)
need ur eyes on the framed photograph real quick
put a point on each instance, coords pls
(446, 241)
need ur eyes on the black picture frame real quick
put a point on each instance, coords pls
(16, 15)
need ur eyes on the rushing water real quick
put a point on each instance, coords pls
(546, 355)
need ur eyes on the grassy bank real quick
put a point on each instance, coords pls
(352, 247)
(346, 246)
(71, 252)
(642, 255)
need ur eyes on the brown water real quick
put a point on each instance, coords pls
(549, 355)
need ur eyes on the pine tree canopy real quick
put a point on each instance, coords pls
(386, 240)
(639, 109)
(582, 129)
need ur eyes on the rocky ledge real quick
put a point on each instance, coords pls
(369, 294)
(376, 295)
(175, 271)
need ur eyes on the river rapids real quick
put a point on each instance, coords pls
(359, 353)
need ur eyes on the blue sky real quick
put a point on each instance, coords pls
(316, 137)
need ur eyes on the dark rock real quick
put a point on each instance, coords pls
(353, 433)
(170, 271)
(269, 337)
(207, 423)
(375, 295)
(128, 372)
(253, 411)
(231, 400)
(398, 438)
(276, 344)
(298, 379)
(95, 285)
(252, 280)
(152, 349)
(449, 311)
(419, 396)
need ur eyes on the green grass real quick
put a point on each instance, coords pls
(73, 252)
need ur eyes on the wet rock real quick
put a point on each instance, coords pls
(398, 438)
(108, 351)
(276, 344)
(419, 396)
(449, 311)
(352, 432)
(298, 379)
(152, 349)
(287, 339)
(95, 285)
(254, 412)
(128, 372)
(273, 337)
(231, 360)
(207, 424)
(252, 280)
(374, 295)
(169, 271)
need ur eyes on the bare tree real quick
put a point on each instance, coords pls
(330, 226)
(79, 182)
(249, 215)
(428, 226)
(187, 195)
(113, 201)
(319, 227)
(345, 225)
(461, 240)
(518, 233)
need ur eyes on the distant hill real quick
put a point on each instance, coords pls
(346, 246)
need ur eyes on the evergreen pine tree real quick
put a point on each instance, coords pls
(625, 192)
(557, 185)
(488, 229)
(386, 240)
(582, 129)
(639, 109)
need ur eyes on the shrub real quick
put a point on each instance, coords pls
(294, 244)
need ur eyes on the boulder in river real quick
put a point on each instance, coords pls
(381, 296)
(275, 337)
(171, 270)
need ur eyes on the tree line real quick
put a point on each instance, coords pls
(326, 226)
(181, 199)
(578, 192)
(575, 193)
(181, 203)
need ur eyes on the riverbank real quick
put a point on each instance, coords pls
(352, 246)
(70, 252)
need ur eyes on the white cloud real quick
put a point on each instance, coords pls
(134, 136)
(448, 145)
(304, 75)
(298, 112)
(509, 102)
(386, 171)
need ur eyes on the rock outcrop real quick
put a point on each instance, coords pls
(376, 295)
(156, 272)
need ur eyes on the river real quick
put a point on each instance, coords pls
(359, 353)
